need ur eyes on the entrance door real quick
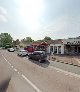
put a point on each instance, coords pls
(72, 49)
(79, 50)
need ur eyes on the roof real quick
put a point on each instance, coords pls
(43, 43)
(36, 43)
(58, 41)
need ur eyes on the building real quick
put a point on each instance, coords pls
(40, 46)
(65, 46)
(44, 45)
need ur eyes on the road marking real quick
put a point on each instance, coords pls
(15, 69)
(37, 89)
(18, 72)
(65, 72)
(4, 58)
(12, 66)
(9, 63)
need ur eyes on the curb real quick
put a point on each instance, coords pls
(70, 63)
(65, 62)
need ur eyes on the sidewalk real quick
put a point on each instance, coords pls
(67, 59)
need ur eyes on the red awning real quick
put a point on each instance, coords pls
(44, 44)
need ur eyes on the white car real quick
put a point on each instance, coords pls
(11, 49)
(22, 53)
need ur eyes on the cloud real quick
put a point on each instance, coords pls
(3, 14)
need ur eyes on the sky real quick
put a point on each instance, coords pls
(57, 19)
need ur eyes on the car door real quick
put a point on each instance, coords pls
(32, 56)
(37, 56)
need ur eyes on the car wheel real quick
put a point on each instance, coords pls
(29, 57)
(21, 55)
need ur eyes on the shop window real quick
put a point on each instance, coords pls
(55, 49)
(59, 49)
(51, 49)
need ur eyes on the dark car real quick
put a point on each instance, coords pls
(39, 56)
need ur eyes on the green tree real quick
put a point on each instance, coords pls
(5, 39)
(27, 40)
(47, 38)
(16, 42)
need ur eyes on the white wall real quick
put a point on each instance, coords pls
(62, 47)
(48, 49)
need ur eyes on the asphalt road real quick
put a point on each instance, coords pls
(66, 67)
(31, 76)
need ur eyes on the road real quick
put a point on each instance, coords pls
(29, 76)
(66, 67)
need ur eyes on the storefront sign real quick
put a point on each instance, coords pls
(73, 43)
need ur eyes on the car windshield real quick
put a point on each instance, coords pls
(23, 51)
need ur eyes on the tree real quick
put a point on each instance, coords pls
(16, 42)
(27, 40)
(47, 38)
(5, 39)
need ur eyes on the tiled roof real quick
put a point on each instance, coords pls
(58, 41)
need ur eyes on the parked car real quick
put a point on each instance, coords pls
(22, 53)
(11, 49)
(39, 56)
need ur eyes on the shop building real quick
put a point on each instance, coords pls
(65, 46)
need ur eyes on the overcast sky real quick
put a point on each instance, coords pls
(40, 18)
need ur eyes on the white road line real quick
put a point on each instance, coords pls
(15, 69)
(37, 89)
(9, 63)
(4, 58)
(18, 72)
(12, 66)
(65, 72)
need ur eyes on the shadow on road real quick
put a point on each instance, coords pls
(45, 64)
(4, 85)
